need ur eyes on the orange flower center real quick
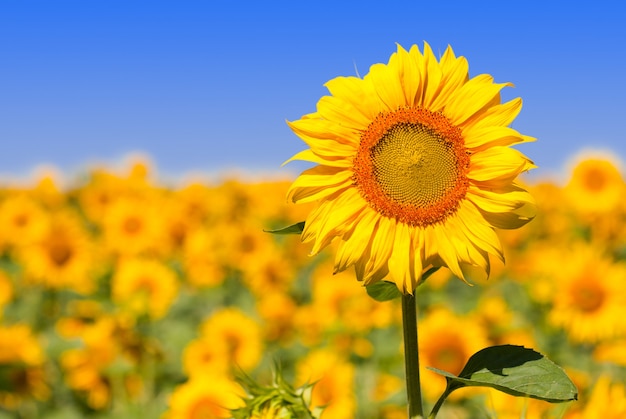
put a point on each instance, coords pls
(595, 180)
(60, 253)
(587, 297)
(412, 165)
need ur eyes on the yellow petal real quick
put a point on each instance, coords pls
(318, 182)
(505, 200)
(334, 222)
(342, 112)
(311, 130)
(436, 238)
(381, 247)
(400, 260)
(358, 93)
(433, 79)
(454, 75)
(385, 82)
(471, 98)
(483, 137)
(498, 162)
(309, 155)
(355, 241)
(501, 114)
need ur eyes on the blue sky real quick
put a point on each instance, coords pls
(206, 86)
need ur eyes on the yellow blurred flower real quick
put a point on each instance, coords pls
(596, 185)
(339, 301)
(447, 348)
(334, 383)
(21, 366)
(18, 344)
(589, 301)
(277, 310)
(63, 257)
(82, 313)
(613, 351)
(144, 286)
(6, 290)
(387, 385)
(414, 168)
(504, 406)
(203, 267)
(268, 270)
(204, 357)
(90, 369)
(606, 401)
(22, 221)
(501, 323)
(204, 398)
(240, 333)
(132, 226)
(242, 243)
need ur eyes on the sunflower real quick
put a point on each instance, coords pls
(596, 184)
(64, 256)
(204, 398)
(448, 348)
(144, 286)
(22, 367)
(241, 334)
(414, 168)
(22, 220)
(334, 382)
(590, 302)
(607, 401)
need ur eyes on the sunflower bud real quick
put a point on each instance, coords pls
(278, 400)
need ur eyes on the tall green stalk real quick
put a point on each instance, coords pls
(411, 357)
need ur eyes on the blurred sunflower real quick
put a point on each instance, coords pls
(242, 335)
(606, 401)
(447, 348)
(205, 357)
(132, 226)
(504, 406)
(596, 185)
(105, 357)
(203, 267)
(205, 398)
(22, 221)
(590, 302)
(144, 286)
(277, 310)
(63, 257)
(269, 271)
(22, 374)
(414, 168)
(334, 383)
(6, 290)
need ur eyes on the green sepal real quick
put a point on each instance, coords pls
(386, 291)
(279, 399)
(383, 291)
(296, 228)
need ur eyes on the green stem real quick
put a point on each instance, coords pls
(437, 406)
(411, 356)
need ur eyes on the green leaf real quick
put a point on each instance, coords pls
(515, 370)
(383, 291)
(296, 228)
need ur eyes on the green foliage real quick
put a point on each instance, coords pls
(514, 370)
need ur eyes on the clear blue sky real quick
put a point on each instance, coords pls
(208, 85)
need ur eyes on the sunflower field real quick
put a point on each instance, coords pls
(122, 296)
